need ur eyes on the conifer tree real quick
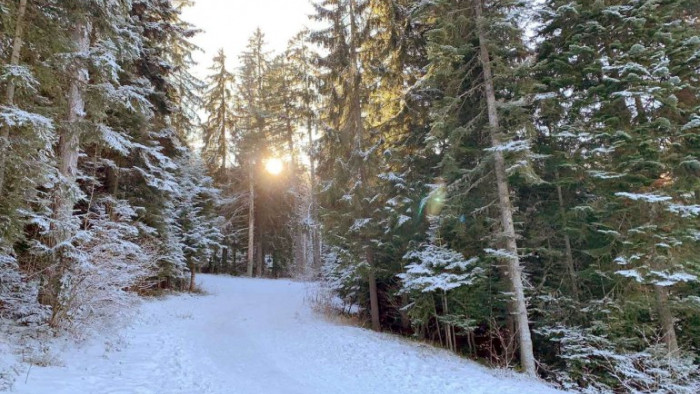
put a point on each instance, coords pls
(218, 131)
(475, 53)
(353, 217)
(304, 95)
(188, 89)
(253, 114)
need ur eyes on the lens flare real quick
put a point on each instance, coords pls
(433, 203)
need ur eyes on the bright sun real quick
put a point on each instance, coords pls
(274, 166)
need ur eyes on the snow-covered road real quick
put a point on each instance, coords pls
(260, 336)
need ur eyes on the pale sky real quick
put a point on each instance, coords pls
(228, 24)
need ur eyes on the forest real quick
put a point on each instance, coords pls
(517, 181)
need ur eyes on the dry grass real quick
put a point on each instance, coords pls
(321, 301)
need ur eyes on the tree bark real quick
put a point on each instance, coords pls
(251, 223)
(527, 358)
(10, 94)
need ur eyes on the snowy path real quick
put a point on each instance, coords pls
(259, 336)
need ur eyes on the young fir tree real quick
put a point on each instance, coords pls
(197, 219)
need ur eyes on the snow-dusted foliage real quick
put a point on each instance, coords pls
(200, 227)
(341, 274)
(436, 268)
(594, 364)
(114, 259)
(18, 295)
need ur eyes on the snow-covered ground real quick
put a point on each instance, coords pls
(259, 336)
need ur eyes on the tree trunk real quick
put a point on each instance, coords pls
(448, 328)
(68, 152)
(10, 94)
(260, 269)
(666, 318)
(355, 124)
(315, 231)
(298, 237)
(192, 277)
(527, 358)
(405, 320)
(373, 296)
(569, 258)
(251, 223)
(224, 260)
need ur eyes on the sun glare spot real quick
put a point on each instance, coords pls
(274, 166)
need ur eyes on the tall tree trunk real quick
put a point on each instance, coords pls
(405, 320)
(666, 318)
(569, 258)
(260, 269)
(355, 124)
(10, 94)
(68, 152)
(527, 358)
(298, 237)
(251, 223)
(224, 260)
(315, 231)
(373, 296)
(448, 328)
(193, 272)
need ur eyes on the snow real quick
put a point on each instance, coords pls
(685, 210)
(360, 223)
(693, 124)
(605, 174)
(647, 197)
(510, 146)
(402, 219)
(260, 336)
(634, 274)
(15, 117)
